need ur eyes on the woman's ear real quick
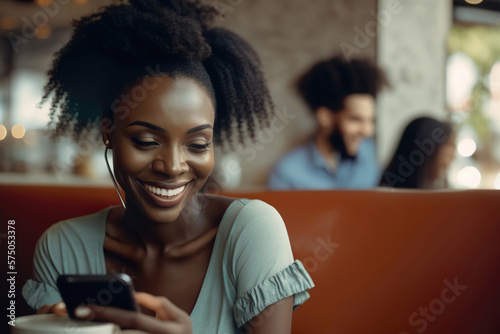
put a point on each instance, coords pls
(325, 118)
(107, 128)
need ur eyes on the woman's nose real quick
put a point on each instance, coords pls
(170, 161)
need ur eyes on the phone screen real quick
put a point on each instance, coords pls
(107, 290)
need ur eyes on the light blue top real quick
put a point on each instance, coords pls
(305, 168)
(251, 266)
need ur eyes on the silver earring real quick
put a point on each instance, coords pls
(111, 174)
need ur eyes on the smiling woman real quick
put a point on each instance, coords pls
(163, 87)
(167, 134)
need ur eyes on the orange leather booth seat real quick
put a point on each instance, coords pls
(388, 262)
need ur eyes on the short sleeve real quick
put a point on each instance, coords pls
(69, 247)
(263, 265)
(47, 266)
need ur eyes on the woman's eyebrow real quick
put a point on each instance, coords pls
(148, 125)
(199, 128)
(162, 130)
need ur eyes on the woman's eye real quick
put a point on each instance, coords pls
(144, 143)
(199, 147)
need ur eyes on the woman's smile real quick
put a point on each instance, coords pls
(163, 149)
(165, 194)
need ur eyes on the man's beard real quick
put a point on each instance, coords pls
(338, 144)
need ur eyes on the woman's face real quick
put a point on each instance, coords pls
(162, 147)
(446, 153)
(445, 156)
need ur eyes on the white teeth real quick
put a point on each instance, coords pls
(163, 191)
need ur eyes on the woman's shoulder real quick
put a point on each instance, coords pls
(240, 207)
(73, 245)
(79, 226)
(243, 216)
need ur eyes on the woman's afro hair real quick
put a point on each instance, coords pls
(112, 50)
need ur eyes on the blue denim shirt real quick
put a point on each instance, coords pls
(305, 168)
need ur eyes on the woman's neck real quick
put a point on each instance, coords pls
(192, 224)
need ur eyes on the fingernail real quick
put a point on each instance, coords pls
(82, 312)
(60, 305)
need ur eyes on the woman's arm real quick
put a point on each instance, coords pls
(274, 319)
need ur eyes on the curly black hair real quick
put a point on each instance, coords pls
(112, 50)
(329, 82)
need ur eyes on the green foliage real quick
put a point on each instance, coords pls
(482, 45)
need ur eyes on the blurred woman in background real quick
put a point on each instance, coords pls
(425, 151)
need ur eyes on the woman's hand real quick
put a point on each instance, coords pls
(58, 309)
(169, 318)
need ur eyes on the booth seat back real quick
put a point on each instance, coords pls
(382, 261)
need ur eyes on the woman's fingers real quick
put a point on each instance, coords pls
(164, 308)
(128, 319)
(44, 309)
(58, 309)
(169, 318)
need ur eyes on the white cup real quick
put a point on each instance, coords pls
(53, 324)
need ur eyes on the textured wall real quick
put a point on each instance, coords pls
(290, 35)
(412, 50)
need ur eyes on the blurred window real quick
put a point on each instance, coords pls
(473, 97)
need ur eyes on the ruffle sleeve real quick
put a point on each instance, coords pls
(38, 294)
(291, 281)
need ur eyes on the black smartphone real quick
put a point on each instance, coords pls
(114, 290)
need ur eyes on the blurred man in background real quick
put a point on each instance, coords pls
(341, 153)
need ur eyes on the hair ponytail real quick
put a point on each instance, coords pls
(240, 88)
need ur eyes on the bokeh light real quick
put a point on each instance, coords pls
(469, 177)
(462, 76)
(18, 131)
(43, 32)
(3, 132)
(466, 147)
(8, 22)
(495, 81)
(497, 182)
